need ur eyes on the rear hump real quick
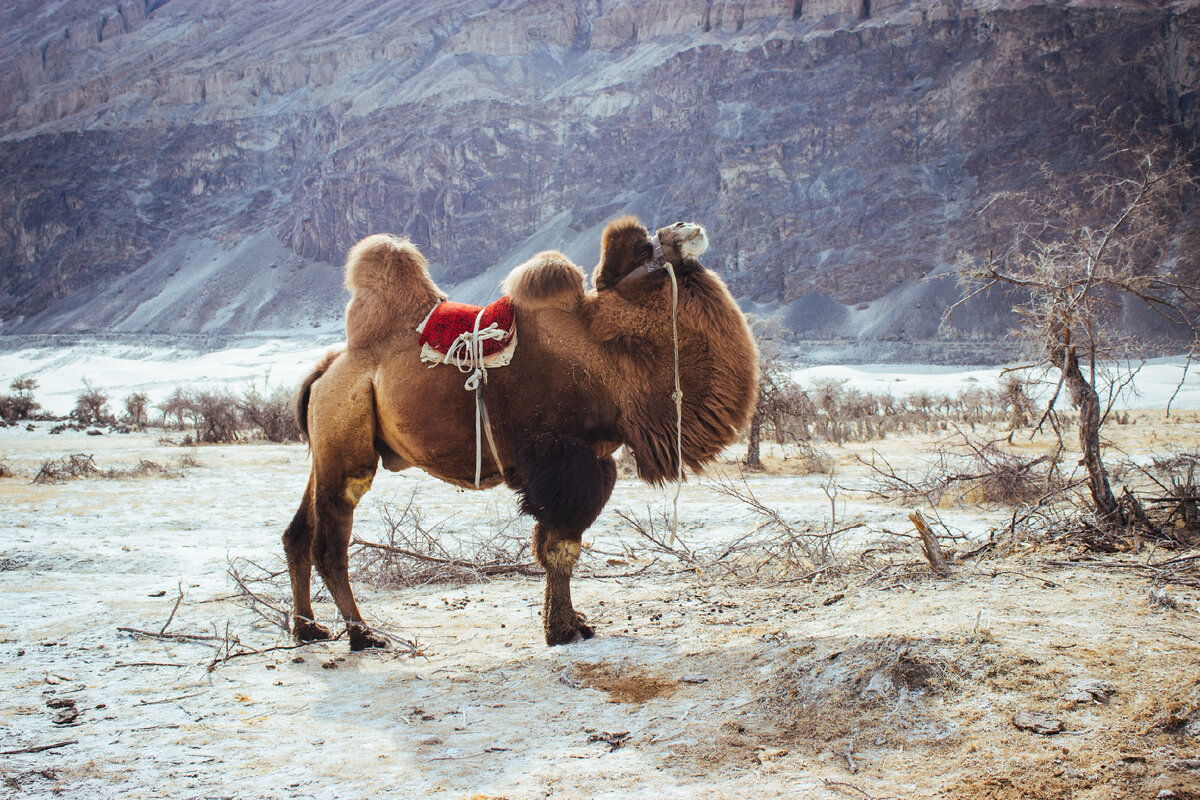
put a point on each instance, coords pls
(390, 289)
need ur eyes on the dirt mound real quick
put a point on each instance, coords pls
(875, 688)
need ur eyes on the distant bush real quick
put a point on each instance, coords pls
(136, 414)
(91, 406)
(219, 416)
(216, 416)
(270, 415)
(20, 404)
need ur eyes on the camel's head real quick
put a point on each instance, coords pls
(628, 252)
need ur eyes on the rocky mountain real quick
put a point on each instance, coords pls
(203, 165)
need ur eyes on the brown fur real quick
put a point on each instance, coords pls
(306, 389)
(548, 280)
(592, 370)
(390, 289)
(624, 247)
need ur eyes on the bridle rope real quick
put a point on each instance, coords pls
(654, 265)
(677, 395)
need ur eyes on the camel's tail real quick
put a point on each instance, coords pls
(390, 289)
(305, 392)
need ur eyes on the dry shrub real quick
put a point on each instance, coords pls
(415, 553)
(772, 548)
(145, 469)
(808, 460)
(970, 471)
(91, 406)
(216, 417)
(6, 471)
(269, 414)
(135, 410)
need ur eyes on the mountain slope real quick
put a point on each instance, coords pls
(835, 149)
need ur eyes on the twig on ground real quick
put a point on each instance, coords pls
(178, 600)
(194, 638)
(39, 748)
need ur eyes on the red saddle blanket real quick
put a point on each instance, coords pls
(449, 321)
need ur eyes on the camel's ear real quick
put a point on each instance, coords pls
(548, 280)
(624, 247)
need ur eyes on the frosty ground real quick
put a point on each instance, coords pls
(874, 683)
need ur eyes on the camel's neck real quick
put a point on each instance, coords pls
(718, 365)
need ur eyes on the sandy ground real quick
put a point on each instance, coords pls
(897, 684)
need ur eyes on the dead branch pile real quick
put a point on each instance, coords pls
(266, 594)
(261, 591)
(1175, 507)
(81, 465)
(61, 470)
(414, 553)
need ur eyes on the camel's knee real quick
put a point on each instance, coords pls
(555, 551)
(561, 556)
(356, 487)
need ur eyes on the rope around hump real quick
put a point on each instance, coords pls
(466, 353)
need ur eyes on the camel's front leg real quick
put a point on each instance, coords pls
(563, 486)
(557, 552)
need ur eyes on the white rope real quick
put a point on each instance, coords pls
(677, 396)
(466, 353)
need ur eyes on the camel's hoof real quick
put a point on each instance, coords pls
(567, 633)
(365, 639)
(305, 630)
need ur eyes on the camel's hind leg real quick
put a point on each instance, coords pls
(342, 430)
(297, 544)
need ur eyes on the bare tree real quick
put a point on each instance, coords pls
(1084, 258)
(20, 404)
(176, 406)
(135, 410)
(91, 405)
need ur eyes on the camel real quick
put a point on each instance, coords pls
(591, 370)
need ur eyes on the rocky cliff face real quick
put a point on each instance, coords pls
(204, 166)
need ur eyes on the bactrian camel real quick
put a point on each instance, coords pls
(591, 371)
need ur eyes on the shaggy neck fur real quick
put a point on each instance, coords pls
(718, 365)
